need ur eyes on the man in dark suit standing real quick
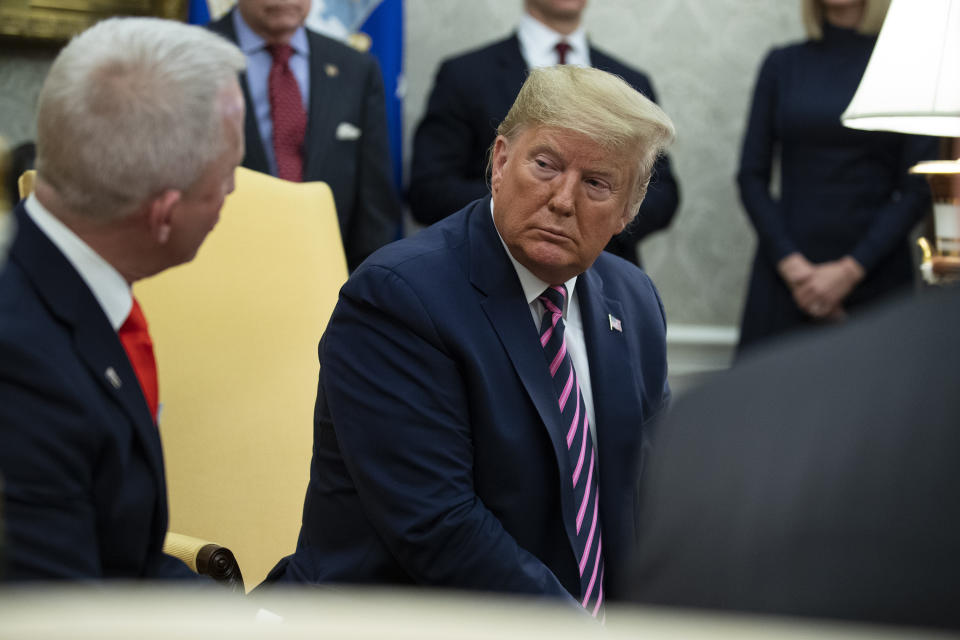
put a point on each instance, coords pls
(139, 130)
(472, 93)
(484, 384)
(817, 479)
(315, 111)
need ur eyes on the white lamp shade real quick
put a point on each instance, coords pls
(912, 82)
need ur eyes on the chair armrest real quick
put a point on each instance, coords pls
(206, 558)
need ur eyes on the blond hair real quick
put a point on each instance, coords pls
(129, 109)
(874, 11)
(598, 105)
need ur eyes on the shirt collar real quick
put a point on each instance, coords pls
(107, 285)
(250, 43)
(537, 41)
(531, 284)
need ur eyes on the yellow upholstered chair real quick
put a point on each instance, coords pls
(235, 333)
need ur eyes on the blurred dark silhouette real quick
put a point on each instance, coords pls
(819, 479)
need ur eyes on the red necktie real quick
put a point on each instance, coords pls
(587, 540)
(562, 49)
(287, 113)
(139, 347)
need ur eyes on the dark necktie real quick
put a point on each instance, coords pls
(562, 48)
(139, 347)
(587, 539)
(287, 113)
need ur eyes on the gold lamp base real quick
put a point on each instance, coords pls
(941, 262)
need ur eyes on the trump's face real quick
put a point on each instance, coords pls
(558, 199)
(274, 20)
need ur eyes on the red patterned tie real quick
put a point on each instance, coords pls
(587, 540)
(562, 48)
(287, 113)
(139, 347)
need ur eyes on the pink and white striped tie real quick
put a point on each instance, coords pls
(588, 543)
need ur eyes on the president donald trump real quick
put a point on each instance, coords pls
(485, 384)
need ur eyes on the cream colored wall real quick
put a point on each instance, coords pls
(22, 70)
(702, 56)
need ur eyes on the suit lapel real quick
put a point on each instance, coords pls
(69, 299)
(598, 60)
(617, 404)
(513, 71)
(613, 378)
(320, 118)
(492, 273)
(255, 155)
(103, 354)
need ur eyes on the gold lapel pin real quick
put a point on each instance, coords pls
(332, 70)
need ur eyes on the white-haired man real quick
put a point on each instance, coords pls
(139, 130)
(485, 383)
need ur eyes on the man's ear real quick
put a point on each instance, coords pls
(496, 166)
(160, 216)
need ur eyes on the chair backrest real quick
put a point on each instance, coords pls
(25, 182)
(235, 334)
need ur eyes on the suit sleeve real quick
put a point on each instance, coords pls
(756, 162)
(167, 567)
(666, 393)
(444, 151)
(911, 202)
(376, 218)
(46, 462)
(402, 419)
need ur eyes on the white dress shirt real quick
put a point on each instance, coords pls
(106, 283)
(538, 44)
(573, 332)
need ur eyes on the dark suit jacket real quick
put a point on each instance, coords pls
(471, 95)
(438, 443)
(358, 170)
(83, 483)
(818, 479)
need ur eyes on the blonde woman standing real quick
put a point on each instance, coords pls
(835, 236)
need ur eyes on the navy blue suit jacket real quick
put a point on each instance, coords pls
(471, 95)
(83, 482)
(439, 454)
(357, 170)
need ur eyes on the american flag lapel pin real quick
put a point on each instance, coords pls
(615, 324)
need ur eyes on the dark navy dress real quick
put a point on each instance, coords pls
(842, 191)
